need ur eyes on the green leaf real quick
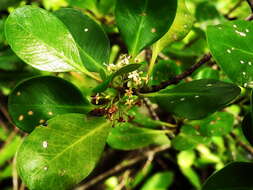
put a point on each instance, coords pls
(247, 128)
(159, 181)
(207, 73)
(38, 99)
(188, 138)
(63, 153)
(9, 150)
(143, 22)
(217, 124)
(2, 31)
(234, 176)
(185, 160)
(93, 44)
(42, 40)
(231, 43)
(179, 29)
(127, 136)
(85, 4)
(164, 70)
(203, 96)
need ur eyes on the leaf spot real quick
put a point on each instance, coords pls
(247, 30)
(86, 30)
(45, 168)
(21, 118)
(242, 62)
(45, 144)
(50, 113)
(235, 26)
(249, 63)
(240, 33)
(153, 30)
(30, 112)
(182, 99)
(18, 93)
(244, 73)
(143, 14)
(42, 121)
(208, 85)
(196, 96)
(228, 50)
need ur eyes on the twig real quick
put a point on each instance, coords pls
(14, 175)
(242, 144)
(151, 111)
(122, 166)
(178, 78)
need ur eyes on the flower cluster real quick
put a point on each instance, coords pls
(123, 61)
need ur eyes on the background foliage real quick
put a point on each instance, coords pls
(163, 137)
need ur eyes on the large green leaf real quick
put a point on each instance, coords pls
(42, 40)
(38, 99)
(143, 22)
(63, 153)
(94, 45)
(235, 176)
(196, 99)
(231, 47)
(127, 136)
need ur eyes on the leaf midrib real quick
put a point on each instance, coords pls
(82, 138)
(139, 29)
(177, 94)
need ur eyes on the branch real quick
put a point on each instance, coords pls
(123, 165)
(246, 147)
(178, 78)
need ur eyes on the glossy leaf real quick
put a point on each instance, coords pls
(235, 176)
(63, 153)
(231, 47)
(143, 22)
(38, 99)
(127, 136)
(42, 40)
(203, 96)
(179, 29)
(247, 128)
(93, 44)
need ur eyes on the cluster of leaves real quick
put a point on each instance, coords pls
(68, 127)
